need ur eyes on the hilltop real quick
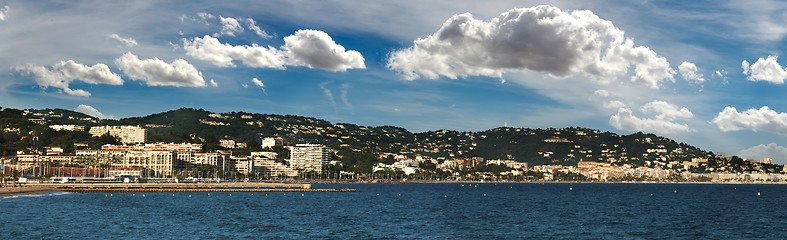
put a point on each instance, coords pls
(361, 145)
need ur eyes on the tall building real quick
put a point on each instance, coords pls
(309, 157)
(126, 134)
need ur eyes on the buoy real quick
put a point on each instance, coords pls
(143, 195)
(378, 194)
(445, 196)
(676, 191)
(651, 194)
(758, 193)
(110, 194)
(286, 194)
(230, 194)
(511, 187)
(463, 185)
(571, 189)
(484, 194)
(301, 194)
(105, 195)
(173, 194)
(189, 195)
(208, 194)
(266, 194)
(400, 194)
(133, 194)
(252, 194)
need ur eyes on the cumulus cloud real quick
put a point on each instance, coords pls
(229, 26)
(315, 49)
(626, 120)
(129, 42)
(4, 12)
(89, 110)
(773, 151)
(767, 69)
(213, 83)
(310, 48)
(689, 72)
(64, 73)
(253, 27)
(210, 49)
(155, 72)
(542, 38)
(662, 123)
(666, 111)
(763, 119)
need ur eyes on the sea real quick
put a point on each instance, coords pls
(411, 211)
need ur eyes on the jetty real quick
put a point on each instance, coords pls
(186, 187)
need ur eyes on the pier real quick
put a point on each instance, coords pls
(186, 187)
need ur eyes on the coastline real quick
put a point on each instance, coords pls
(26, 190)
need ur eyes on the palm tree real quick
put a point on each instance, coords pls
(14, 175)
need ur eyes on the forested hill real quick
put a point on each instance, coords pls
(564, 146)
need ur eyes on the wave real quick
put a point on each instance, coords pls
(37, 195)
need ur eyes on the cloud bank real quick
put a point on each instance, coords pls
(763, 119)
(64, 73)
(155, 72)
(542, 38)
(773, 151)
(310, 48)
(4, 12)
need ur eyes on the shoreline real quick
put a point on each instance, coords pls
(25, 190)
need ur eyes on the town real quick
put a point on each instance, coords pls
(347, 152)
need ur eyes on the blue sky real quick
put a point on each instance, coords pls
(706, 73)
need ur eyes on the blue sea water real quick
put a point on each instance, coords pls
(411, 211)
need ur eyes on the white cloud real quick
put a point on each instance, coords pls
(543, 38)
(253, 27)
(662, 123)
(129, 42)
(601, 93)
(89, 110)
(626, 120)
(328, 93)
(4, 12)
(257, 82)
(311, 48)
(204, 17)
(211, 50)
(773, 151)
(229, 26)
(213, 83)
(689, 72)
(315, 49)
(614, 104)
(63, 73)
(155, 72)
(763, 119)
(666, 111)
(767, 70)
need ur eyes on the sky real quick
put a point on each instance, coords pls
(706, 73)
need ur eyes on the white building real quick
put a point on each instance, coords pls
(269, 142)
(126, 134)
(227, 143)
(67, 128)
(309, 156)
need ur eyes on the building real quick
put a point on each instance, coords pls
(309, 157)
(162, 163)
(76, 128)
(269, 142)
(227, 143)
(126, 134)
